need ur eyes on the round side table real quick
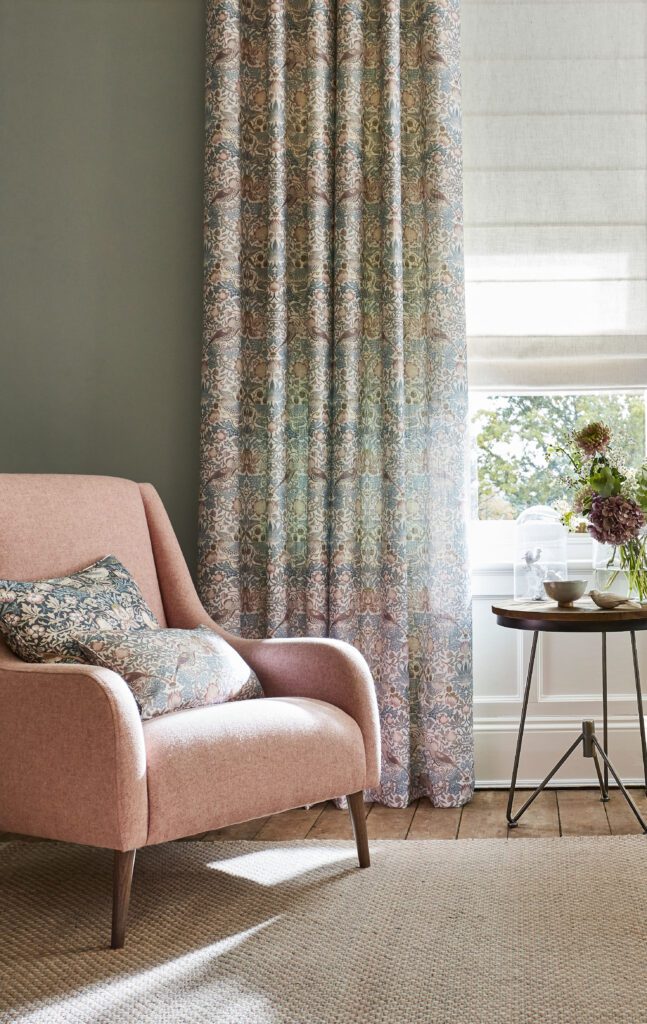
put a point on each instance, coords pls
(582, 617)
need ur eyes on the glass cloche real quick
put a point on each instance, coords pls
(540, 552)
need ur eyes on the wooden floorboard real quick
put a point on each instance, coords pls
(431, 822)
(245, 830)
(333, 823)
(621, 818)
(569, 812)
(484, 817)
(582, 813)
(389, 822)
(540, 821)
(293, 824)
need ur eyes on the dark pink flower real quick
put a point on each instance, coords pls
(593, 438)
(615, 520)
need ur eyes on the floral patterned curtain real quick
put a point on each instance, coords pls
(334, 415)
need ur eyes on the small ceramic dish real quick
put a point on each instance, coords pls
(565, 591)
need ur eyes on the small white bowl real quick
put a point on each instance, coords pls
(565, 591)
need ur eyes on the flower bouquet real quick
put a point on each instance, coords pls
(611, 502)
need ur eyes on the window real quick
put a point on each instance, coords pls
(511, 433)
(555, 140)
(555, 180)
(555, 156)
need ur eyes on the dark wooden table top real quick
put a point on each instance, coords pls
(582, 617)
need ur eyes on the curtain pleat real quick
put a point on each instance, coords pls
(277, 395)
(315, 367)
(334, 379)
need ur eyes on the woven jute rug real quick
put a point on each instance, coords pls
(471, 932)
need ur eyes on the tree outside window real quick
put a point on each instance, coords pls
(511, 435)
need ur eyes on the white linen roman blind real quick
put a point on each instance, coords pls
(555, 152)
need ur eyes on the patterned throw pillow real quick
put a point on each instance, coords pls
(37, 618)
(172, 669)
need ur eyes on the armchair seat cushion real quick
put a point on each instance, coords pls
(215, 766)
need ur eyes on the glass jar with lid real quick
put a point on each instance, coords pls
(540, 552)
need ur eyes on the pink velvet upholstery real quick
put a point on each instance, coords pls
(75, 761)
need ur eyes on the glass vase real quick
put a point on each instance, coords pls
(622, 569)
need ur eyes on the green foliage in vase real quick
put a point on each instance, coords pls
(641, 488)
(605, 480)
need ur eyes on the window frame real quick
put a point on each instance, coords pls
(491, 541)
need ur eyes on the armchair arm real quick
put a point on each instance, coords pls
(72, 756)
(328, 670)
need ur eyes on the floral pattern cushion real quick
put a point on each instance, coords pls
(172, 669)
(37, 618)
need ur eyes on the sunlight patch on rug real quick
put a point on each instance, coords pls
(271, 866)
(117, 996)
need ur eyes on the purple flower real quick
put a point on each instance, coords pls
(593, 438)
(615, 520)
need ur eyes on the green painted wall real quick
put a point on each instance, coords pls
(101, 137)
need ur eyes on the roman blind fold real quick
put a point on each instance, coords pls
(555, 153)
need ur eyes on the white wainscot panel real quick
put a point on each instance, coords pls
(571, 667)
(497, 657)
(545, 740)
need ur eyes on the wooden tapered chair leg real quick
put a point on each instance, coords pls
(358, 818)
(122, 877)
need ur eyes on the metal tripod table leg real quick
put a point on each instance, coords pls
(524, 710)
(587, 737)
(604, 785)
(590, 748)
(639, 699)
(621, 787)
(513, 822)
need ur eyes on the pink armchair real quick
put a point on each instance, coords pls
(76, 762)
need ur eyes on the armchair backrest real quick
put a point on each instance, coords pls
(53, 524)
